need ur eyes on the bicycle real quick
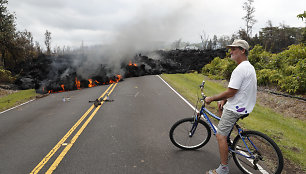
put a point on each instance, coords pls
(252, 151)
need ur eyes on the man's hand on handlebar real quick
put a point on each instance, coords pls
(221, 103)
(208, 100)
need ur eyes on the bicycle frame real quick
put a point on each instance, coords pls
(252, 151)
(204, 112)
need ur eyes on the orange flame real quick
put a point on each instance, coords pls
(90, 83)
(132, 64)
(63, 87)
(118, 78)
(77, 83)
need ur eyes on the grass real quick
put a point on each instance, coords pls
(14, 99)
(288, 133)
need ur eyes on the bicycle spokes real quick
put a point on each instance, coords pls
(189, 134)
(254, 152)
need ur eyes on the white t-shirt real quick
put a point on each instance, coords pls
(244, 79)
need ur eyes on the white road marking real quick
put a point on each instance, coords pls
(17, 106)
(178, 94)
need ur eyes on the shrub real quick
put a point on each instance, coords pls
(285, 70)
(219, 68)
(267, 77)
(294, 54)
(259, 58)
(289, 84)
(6, 76)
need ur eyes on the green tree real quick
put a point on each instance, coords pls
(224, 40)
(48, 42)
(7, 31)
(15, 46)
(277, 38)
(215, 42)
(249, 17)
(24, 47)
(302, 16)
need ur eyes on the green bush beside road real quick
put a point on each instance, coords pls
(6, 76)
(285, 70)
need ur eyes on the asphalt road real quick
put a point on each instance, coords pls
(129, 134)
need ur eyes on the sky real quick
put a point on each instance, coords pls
(142, 22)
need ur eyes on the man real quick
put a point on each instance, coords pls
(239, 99)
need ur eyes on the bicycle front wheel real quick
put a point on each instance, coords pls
(268, 157)
(188, 135)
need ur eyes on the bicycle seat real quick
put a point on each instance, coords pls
(243, 116)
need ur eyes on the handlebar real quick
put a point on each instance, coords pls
(202, 85)
(202, 93)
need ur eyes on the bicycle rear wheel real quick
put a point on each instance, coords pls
(268, 157)
(182, 137)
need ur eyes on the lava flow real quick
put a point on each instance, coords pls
(48, 73)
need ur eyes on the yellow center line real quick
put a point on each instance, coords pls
(59, 144)
(76, 136)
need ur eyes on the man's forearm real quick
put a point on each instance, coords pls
(223, 96)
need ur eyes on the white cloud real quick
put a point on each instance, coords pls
(100, 21)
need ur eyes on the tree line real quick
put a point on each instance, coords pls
(15, 46)
(18, 47)
(273, 38)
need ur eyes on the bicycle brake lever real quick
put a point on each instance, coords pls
(202, 85)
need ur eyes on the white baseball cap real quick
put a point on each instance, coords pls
(239, 43)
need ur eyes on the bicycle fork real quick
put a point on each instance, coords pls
(194, 125)
(193, 128)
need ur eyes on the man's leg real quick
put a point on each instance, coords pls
(223, 148)
(225, 125)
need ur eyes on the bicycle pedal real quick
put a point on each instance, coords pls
(255, 167)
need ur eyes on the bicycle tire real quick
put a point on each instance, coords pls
(179, 134)
(270, 158)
